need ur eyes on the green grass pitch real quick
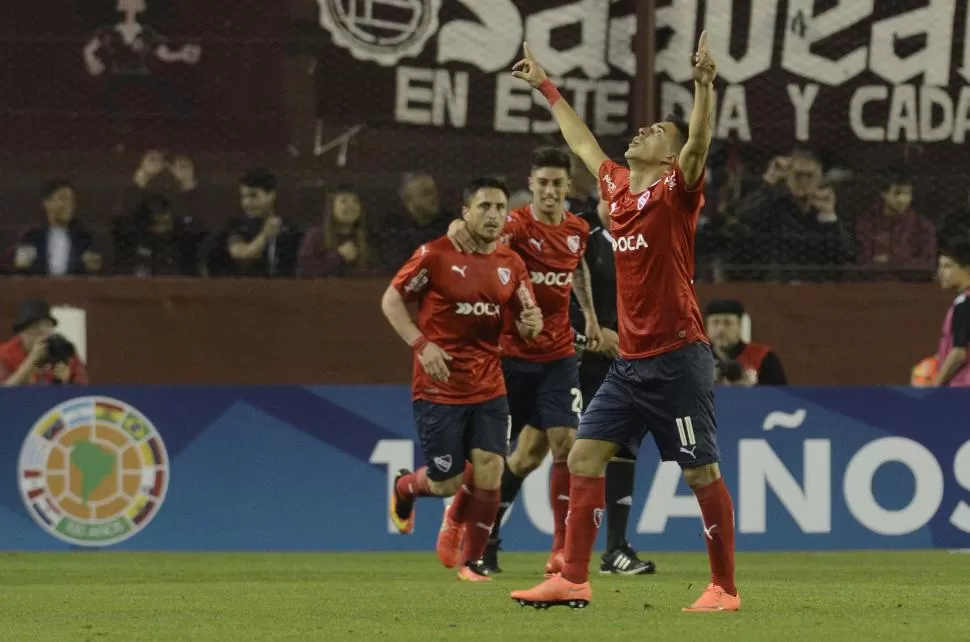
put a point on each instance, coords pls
(399, 597)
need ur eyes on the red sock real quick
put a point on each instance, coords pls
(587, 500)
(718, 512)
(413, 485)
(459, 506)
(479, 520)
(559, 500)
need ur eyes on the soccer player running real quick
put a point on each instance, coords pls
(663, 381)
(460, 409)
(542, 375)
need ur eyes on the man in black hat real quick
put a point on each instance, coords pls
(739, 363)
(36, 357)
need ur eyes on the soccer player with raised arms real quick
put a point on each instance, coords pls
(663, 381)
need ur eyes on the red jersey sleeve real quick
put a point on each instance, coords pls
(612, 177)
(414, 277)
(676, 192)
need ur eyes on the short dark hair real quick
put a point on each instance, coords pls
(484, 182)
(957, 249)
(49, 187)
(896, 177)
(683, 128)
(259, 178)
(551, 157)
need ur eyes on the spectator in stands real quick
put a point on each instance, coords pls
(892, 234)
(147, 178)
(791, 226)
(337, 247)
(422, 220)
(177, 180)
(740, 363)
(35, 355)
(190, 201)
(154, 242)
(61, 247)
(259, 243)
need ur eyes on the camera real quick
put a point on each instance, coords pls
(59, 350)
(729, 370)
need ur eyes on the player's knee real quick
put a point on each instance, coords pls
(702, 475)
(488, 469)
(445, 488)
(561, 441)
(529, 452)
(522, 463)
(588, 457)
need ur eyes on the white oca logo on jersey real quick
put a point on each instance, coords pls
(551, 278)
(630, 243)
(479, 309)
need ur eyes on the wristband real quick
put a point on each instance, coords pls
(419, 344)
(547, 89)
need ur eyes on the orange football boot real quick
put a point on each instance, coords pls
(556, 591)
(402, 513)
(450, 537)
(715, 600)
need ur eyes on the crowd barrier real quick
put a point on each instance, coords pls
(310, 468)
(331, 331)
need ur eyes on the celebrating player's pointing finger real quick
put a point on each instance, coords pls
(529, 69)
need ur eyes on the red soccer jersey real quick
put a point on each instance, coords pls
(463, 300)
(551, 254)
(653, 248)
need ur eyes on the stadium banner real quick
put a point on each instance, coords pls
(789, 72)
(310, 468)
(187, 75)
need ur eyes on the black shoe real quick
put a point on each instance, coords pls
(490, 560)
(478, 568)
(625, 561)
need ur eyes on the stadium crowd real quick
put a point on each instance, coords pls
(786, 223)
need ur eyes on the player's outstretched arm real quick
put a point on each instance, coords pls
(693, 156)
(578, 136)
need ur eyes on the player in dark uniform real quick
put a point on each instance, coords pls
(954, 274)
(663, 381)
(542, 375)
(460, 408)
(620, 558)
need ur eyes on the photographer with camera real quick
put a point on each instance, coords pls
(739, 363)
(36, 355)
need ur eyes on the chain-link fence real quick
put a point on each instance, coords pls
(840, 149)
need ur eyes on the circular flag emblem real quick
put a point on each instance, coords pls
(93, 471)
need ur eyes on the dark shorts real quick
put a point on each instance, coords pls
(593, 368)
(449, 432)
(670, 396)
(543, 395)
